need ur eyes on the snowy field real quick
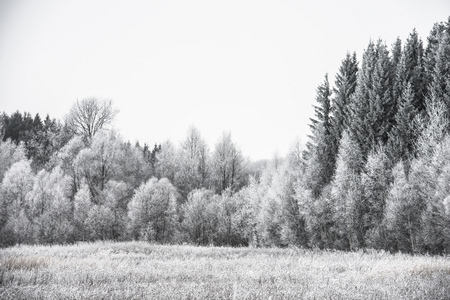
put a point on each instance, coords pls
(137, 270)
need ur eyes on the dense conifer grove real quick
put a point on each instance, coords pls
(375, 172)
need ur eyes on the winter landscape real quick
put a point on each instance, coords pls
(359, 210)
(140, 270)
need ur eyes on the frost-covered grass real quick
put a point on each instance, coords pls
(137, 270)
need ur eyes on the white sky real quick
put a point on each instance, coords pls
(249, 67)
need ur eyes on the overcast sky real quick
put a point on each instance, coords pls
(246, 67)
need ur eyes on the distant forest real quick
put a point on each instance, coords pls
(375, 172)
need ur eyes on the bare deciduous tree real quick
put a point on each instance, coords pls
(89, 115)
(228, 165)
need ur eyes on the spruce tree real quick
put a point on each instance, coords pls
(396, 53)
(409, 92)
(373, 107)
(410, 69)
(439, 29)
(345, 87)
(383, 105)
(401, 77)
(321, 157)
(414, 69)
(439, 89)
(403, 135)
(360, 127)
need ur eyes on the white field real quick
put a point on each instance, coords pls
(138, 270)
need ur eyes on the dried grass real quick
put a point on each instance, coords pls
(137, 270)
(23, 263)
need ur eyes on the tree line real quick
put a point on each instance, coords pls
(79, 181)
(375, 172)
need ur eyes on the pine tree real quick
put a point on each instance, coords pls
(410, 70)
(439, 29)
(401, 77)
(384, 107)
(321, 157)
(404, 135)
(396, 53)
(360, 127)
(373, 107)
(414, 69)
(439, 89)
(345, 87)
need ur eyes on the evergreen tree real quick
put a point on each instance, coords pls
(12, 126)
(439, 89)
(345, 87)
(373, 107)
(39, 138)
(384, 107)
(153, 157)
(321, 157)
(433, 41)
(403, 136)
(414, 69)
(401, 77)
(396, 53)
(410, 70)
(360, 126)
